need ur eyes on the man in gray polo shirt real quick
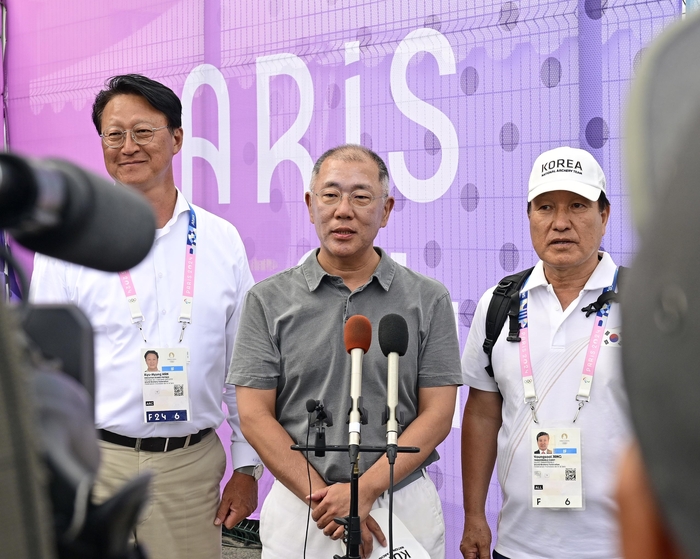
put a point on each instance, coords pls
(290, 348)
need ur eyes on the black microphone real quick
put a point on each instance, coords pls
(323, 418)
(58, 209)
(393, 339)
(311, 405)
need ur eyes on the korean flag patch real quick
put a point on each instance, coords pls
(612, 337)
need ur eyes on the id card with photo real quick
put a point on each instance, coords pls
(556, 468)
(166, 395)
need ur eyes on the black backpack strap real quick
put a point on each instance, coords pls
(504, 302)
(608, 296)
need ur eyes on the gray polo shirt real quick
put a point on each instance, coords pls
(290, 339)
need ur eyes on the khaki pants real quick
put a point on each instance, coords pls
(178, 520)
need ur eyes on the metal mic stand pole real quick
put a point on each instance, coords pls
(352, 522)
(353, 533)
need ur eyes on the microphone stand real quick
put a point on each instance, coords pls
(353, 533)
(353, 536)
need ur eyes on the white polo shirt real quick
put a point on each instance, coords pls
(222, 277)
(558, 343)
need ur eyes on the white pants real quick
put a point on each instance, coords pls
(178, 519)
(283, 522)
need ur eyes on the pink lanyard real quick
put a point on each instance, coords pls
(187, 288)
(584, 392)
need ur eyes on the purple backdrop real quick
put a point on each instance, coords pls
(458, 97)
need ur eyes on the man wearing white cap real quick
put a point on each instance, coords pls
(554, 367)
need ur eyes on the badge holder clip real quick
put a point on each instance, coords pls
(531, 402)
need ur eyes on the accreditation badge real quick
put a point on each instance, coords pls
(166, 395)
(556, 468)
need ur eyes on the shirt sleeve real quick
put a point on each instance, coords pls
(242, 453)
(256, 359)
(439, 358)
(474, 360)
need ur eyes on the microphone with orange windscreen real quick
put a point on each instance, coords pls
(358, 337)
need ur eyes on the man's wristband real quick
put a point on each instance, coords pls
(255, 472)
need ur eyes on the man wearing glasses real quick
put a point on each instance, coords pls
(290, 349)
(164, 421)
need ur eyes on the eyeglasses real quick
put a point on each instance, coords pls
(358, 198)
(142, 134)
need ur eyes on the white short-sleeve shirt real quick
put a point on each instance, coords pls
(558, 342)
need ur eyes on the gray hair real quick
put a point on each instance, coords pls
(353, 152)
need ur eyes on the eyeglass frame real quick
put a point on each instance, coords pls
(350, 195)
(154, 129)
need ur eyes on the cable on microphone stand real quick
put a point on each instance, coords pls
(391, 456)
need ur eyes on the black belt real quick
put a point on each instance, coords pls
(154, 444)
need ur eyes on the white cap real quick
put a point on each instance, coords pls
(566, 168)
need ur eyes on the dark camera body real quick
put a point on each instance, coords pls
(49, 452)
(46, 406)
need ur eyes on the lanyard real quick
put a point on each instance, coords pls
(584, 391)
(187, 288)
